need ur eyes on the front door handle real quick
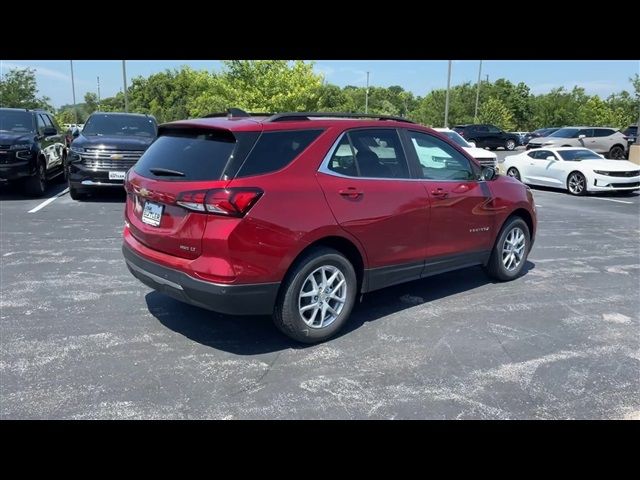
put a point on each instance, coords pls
(439, 192)
(350, 192)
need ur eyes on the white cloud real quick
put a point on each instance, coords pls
(42, 71)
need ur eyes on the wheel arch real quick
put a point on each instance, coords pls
(341, 244)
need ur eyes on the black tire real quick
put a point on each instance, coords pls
(510, 144)
(36, 185)
(513, 172)
(286, 313)
(576, 184)
(474, 141)
(496, 267)
(617, 153)
(76, 194)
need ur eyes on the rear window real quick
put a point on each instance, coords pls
(276, 150)
(603, 132)
(194, 156)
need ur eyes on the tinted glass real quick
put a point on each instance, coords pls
(200, 156)
(456, 139)
(276, 150)
(16, 121)
(379, 153)
(492, 129)
(343, 161)
(565, 133)
(602, 132)
(125, 125)
(577, 155)
(439, 160)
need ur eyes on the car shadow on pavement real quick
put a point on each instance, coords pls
(106, 195)
(251, 335)
(16, 192)
(623, 194)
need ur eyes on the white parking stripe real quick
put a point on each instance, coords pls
(612, 200)
(48, 201)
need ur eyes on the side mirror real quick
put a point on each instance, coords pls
(580, 137)
(49, 131)
(76, 133)
(488, 173)
(473, 144)
(551, 158)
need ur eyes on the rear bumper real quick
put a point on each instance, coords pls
(254, 299)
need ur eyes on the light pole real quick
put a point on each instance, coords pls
(98, 93)
(366, 96)
(73, 91)
(124, 81)
(446, 101)
(475, 115)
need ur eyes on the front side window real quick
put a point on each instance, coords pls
(542, 154)
(370, 153)
(41, 124)
(492, 129)
(566, 133)
(439, 160)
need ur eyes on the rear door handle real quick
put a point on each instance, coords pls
(350, 192)
(439, 192)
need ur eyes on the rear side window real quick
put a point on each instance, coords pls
(187, 157)
(602, 132)
(275, 150)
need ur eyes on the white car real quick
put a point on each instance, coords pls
(484, 157)
(578, 170)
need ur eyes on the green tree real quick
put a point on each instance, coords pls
(90, 103)
(18, 89)
(493, 111)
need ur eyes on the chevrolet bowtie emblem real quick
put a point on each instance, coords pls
(116, 156)
(144, 192)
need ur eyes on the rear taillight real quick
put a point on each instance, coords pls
(232, 202)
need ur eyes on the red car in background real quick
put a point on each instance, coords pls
(295, 215)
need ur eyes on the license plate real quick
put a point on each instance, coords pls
(117, 175)
(152, 214)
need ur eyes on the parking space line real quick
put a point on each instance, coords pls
(48, 201)
(612, 200)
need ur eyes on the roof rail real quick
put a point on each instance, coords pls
(237, 113)
(283, 117)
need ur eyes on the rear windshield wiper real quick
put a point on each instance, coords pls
(166, 172)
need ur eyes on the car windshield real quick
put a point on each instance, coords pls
(456, 138)
(125, 125)
(578, 155)
(566, 133)
(16, 121)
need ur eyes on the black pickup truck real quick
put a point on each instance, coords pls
(32, 149)
(106, 148)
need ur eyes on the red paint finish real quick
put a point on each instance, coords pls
(389, 221)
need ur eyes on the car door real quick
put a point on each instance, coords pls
(588, 141)
(481, 136)
(536, 168)
(462, 221)
(603, 140)
(495, 137)
(548, 172)
(46, 141)
(367, 183)
(56, 145)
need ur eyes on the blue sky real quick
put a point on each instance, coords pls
(420, 77)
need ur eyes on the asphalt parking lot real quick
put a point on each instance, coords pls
(82, 338)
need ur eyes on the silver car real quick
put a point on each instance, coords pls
(605, 140)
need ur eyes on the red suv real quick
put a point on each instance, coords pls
(296, 214)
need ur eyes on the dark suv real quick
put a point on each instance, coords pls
(108, 146)
(296, 215)
(32, 149)
(484, 135)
